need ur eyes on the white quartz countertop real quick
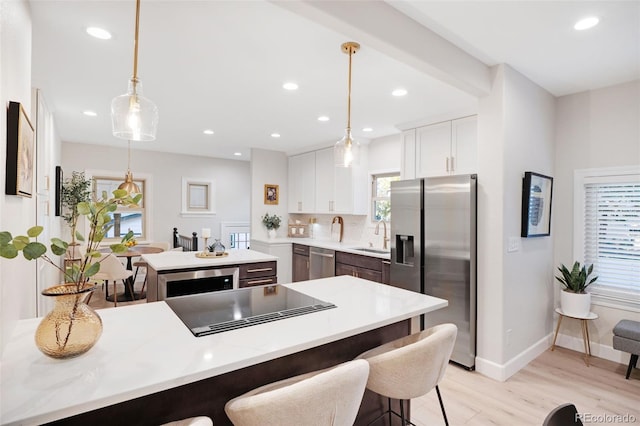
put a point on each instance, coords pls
(145, 348)
(169, 260)
(346, 246)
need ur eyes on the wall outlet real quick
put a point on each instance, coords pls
(508, 338)
(514, 244)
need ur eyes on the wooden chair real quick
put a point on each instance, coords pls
(142, 264)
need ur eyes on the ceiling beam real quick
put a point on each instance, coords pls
(389, 31)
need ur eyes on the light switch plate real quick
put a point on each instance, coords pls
(514, 244)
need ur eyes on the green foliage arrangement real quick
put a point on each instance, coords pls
(575, 280)
(271, 222)
(75, 190)
(100, 222)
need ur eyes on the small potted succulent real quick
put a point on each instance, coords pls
(272, 222)
(574, 300)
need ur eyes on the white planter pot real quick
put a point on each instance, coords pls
(575, 304)
(271, 233)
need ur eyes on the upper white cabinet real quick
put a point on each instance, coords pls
(302, 183)
(446, 148)
(335, 190)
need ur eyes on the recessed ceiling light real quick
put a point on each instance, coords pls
(323, 118)
(208, 132)
(99, 33)
(275, 135)
(367, 129)
(90, 113)
(237, 154)
(586, 23)
(399, 92)
(290, 86)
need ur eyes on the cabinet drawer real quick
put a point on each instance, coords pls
(360, 261)
(258, 281)
(354, 271)
(258, 270)
(301, 249)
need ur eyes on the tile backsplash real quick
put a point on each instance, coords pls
(357, 229)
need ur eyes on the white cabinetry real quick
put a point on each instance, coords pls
(302, 183)
(335, 190)
(446, 148)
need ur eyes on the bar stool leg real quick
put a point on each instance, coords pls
(444, 413)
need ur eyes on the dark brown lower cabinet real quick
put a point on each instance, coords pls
(300, 263)
(366, 267)
(260, 273)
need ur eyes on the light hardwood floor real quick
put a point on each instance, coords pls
(554, 378)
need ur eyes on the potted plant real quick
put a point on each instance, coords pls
(272, 223)
(72, 328)
(75, 190)
(574, 300)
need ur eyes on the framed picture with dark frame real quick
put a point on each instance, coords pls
(20, 152)
(537, 190)
(271, 195)
(59, 182)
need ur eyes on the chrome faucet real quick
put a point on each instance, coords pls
(385, 239)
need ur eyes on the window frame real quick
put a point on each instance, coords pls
(147, 210)
(601, 294)
(373, 194)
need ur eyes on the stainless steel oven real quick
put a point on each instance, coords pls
(173, 284)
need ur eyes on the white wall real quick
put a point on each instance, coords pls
(268, 167)
(599, 128)
(17, 214)
(231, 180)
(515, 134)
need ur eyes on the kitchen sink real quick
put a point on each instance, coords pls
(371, 250)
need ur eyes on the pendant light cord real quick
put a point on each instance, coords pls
(129, 156)
(349, 92)
(135, 44)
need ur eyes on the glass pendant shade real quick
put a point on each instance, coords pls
(134, 117)
(346, 151)
(128, 184)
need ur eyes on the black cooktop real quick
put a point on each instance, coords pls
(219, 311)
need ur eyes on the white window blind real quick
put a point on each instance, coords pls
(612, 233)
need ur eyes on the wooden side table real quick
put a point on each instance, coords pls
(585, 331)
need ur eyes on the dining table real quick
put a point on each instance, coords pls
(136, 251)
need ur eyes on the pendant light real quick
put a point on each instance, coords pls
(346, 150)
(128, 184)
(134, 117)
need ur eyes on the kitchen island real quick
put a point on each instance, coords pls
(243, 268)
(147, 368)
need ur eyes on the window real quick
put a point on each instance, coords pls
(235, 235)
(608, 232)
(380, 196)
(124, 219)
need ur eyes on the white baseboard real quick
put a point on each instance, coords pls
(502, 372)
(597, 349)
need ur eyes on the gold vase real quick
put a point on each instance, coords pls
(72, 327)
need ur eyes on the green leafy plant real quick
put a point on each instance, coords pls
(100, 223)
(75, 190)
(575, 280)
(271, 222)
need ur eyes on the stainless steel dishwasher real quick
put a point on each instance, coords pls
(322, 263)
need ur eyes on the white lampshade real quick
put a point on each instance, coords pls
(346, 152)
(134, 117)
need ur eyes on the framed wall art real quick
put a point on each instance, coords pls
(536, 205)
(198, 197)
(20, 152)
(59, 182)
(271, 195)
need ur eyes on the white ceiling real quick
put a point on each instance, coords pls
(221, 65)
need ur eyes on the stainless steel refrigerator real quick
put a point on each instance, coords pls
(433, 251)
